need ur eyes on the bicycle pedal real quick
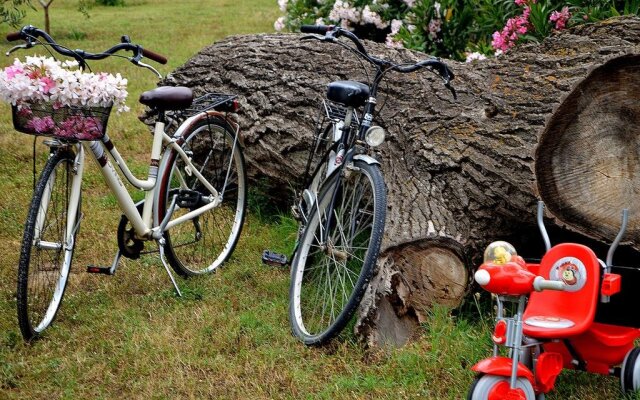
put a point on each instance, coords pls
(274, 259)
(189, 199)
(94, 269)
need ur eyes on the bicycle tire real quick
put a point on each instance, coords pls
(191, 246)
(46, 257)
(339, 260)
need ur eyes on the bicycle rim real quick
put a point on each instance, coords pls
(201, 245)
(337, 254)
(46, 255)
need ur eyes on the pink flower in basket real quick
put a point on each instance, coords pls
(47, 84)
(41, 125)
(13, 70)
(45, 80)
(24, 111)
(80, 127)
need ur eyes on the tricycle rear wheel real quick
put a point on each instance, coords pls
(630, 374)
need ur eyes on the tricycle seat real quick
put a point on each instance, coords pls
(560, 314)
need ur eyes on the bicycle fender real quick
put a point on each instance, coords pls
(368, 159)
(501, 366)
(187, 125)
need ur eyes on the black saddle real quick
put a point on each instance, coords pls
(349, 93)
(168, 98)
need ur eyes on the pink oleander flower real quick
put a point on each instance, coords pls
(279, 24)
(344, 12)
(513, 29)
(524, 2)
(371, 17)
(396, 24)
(41, 125)
(435, 26)
(560, 18)
(475, 56)
(391, 42)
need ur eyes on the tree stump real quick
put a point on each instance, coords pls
(555, 120)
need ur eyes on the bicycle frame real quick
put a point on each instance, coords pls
(147, 226)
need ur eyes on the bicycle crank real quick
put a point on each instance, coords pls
(129, 245)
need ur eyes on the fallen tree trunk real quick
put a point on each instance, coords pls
(554, 120)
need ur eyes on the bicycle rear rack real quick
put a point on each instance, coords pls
(337, 112)
(212, 101)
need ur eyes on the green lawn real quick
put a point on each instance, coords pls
(127, 336)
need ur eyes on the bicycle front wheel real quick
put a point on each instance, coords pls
(202, 244)
(47, 251)
(337, 253)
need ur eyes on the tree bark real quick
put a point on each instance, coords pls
(554, 120)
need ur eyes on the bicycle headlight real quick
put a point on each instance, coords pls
(499, 253)
(374, 136)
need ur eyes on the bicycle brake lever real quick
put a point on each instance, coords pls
(18, 47)
(316, 37)
(147, 66)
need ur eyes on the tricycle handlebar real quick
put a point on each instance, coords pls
(512, 279)
(539, 284)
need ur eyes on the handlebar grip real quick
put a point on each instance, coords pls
(319, 29)
(154, 56)
(13, 36)
(539, 284)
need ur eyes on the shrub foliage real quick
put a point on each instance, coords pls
(458, 29)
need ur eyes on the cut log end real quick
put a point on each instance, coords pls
(588, 157)
(409, 281)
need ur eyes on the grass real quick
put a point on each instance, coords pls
(127, 336)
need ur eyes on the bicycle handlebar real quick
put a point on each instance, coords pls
(13, 36)
(318, 29)
(30, 34)
(334, 32)
(154, 56)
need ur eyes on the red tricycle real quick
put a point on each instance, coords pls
(552, 325)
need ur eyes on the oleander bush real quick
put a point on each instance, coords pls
(458, 29)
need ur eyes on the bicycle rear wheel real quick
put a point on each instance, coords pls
(46, 254)
(201, 245)
(337, 253)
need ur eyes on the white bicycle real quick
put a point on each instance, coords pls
(195, 198)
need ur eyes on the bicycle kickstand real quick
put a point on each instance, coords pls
(161, 243)
(158, 235)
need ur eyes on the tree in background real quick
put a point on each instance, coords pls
(13, 11)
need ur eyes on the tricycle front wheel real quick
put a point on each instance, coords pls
(492, 387)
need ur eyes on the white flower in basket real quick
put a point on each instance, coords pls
(53, 98)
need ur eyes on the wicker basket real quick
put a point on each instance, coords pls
(66, 122)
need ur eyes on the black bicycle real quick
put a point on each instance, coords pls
(342, 204)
